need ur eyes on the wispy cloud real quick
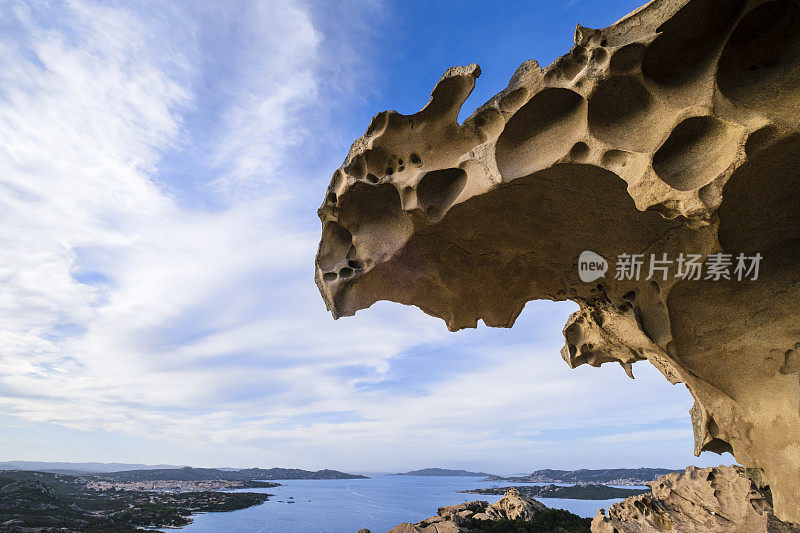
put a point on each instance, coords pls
(156, 263)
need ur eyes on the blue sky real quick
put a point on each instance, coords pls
(161, 164)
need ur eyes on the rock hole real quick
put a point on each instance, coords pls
(415, 159)
(760, 64)
(372, 178)
(335, 243)
(579, 151)
(618, 111)
(437, 190)
(378, 124)
(627, 59)
(697, 151)
(540, 132)
(355, 265)
(688, 39)
(346, 272)
(356, 167)
(389, 171)
(758, 200)
(630, 295)
(572, 350)
(615, 159)
(329, 276)
(331, 198)
(599, 55)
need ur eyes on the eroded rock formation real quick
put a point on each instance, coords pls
(701, 500)
(458, 518)
(674, 131)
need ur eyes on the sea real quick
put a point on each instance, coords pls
(347, 505)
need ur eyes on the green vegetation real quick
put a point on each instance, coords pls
(546, 521)
(38, 499)
(573, 492)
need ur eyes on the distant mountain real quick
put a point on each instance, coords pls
(574, 492)
(83, 468)
(611, 476)
(246, 474)
(442, 472)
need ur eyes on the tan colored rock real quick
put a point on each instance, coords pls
(674, 131)
(701, 500)
(458, 518)
(514, 506)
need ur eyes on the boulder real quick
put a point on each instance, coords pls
(459, 518)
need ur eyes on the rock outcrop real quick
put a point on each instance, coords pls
(671, 137)
(701, 500)
(458, 518)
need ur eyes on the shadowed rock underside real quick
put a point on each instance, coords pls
(674, 130)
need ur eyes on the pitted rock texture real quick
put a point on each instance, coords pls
(459, 518)
(701, 500)
(675, 130)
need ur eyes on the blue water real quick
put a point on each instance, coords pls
(347, 505)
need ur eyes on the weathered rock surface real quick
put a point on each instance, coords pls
(674, 131)
(701, 500)
(458, 518)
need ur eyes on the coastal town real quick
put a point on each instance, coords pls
(176, 485)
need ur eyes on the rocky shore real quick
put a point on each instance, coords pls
(473, 516)
(723, 499)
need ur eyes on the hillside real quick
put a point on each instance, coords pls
(246, 474)
(574, 492)
(612, 476)
(45, 500)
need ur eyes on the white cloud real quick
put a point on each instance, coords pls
(129, 305)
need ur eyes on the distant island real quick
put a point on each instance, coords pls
(140, 472)
(443, 472)
(127, 500)
(573, 492)
(189, 473)
(605, 476)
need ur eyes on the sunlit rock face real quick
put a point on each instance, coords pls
(674, 131)
(699, 500)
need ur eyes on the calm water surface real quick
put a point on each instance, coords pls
(347, 505)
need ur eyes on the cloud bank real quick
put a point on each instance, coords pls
(156, 164)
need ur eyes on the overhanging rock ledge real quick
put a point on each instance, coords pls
(675, 130)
